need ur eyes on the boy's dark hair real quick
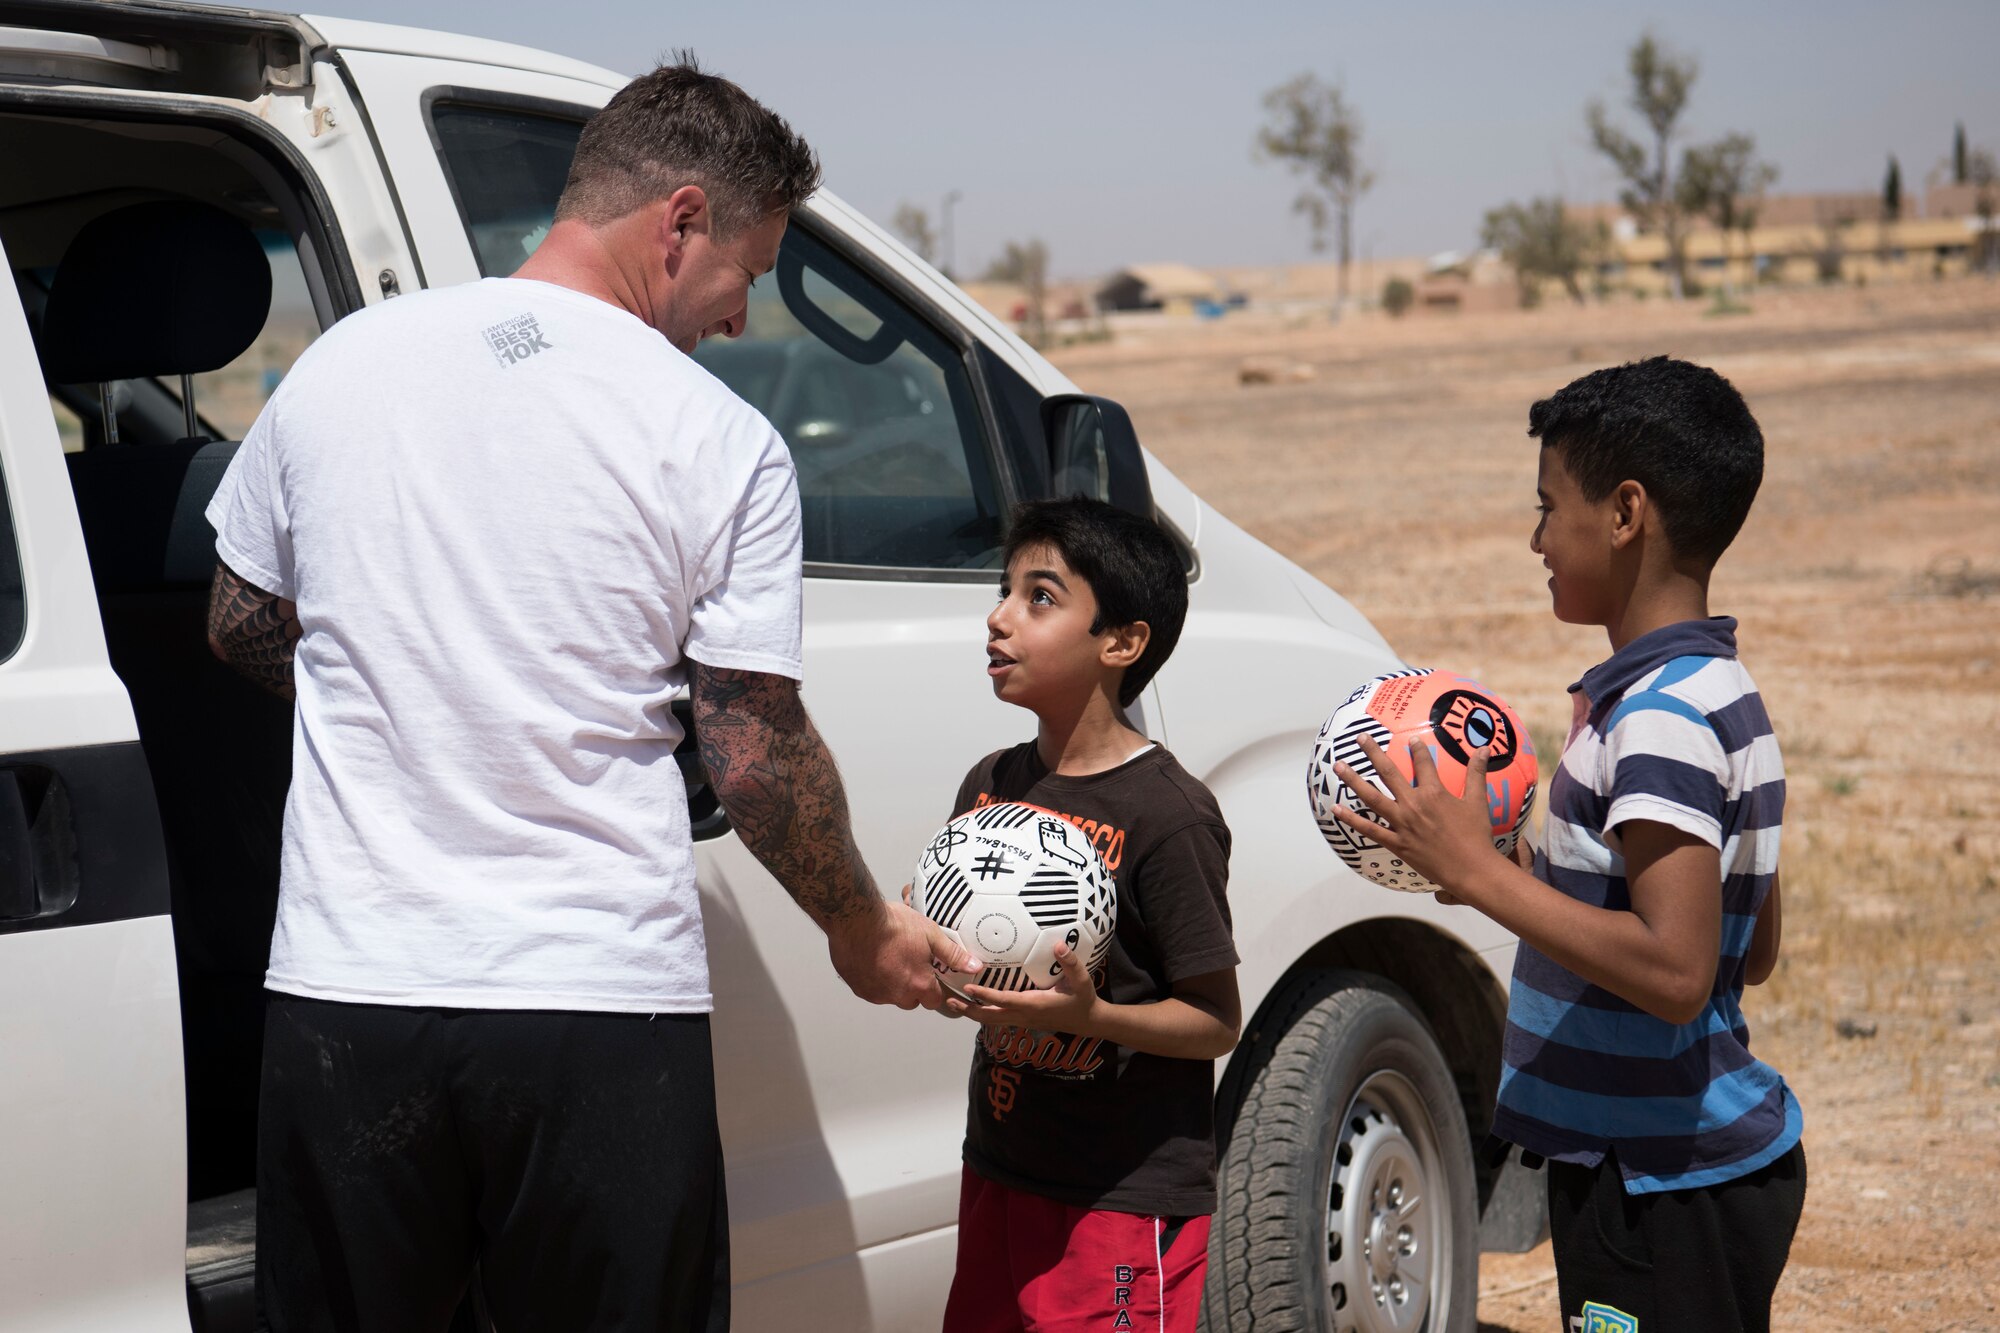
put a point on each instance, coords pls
(680, 126)
(1131, 564)
(1678, 429)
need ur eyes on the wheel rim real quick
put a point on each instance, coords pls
(1387, 1244)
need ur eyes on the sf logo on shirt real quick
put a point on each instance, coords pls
(516, 339)
(1600, 1318)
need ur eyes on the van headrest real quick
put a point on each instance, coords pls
(166, 288)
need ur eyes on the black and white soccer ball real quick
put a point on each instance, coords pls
(1013, 881)
(1451, 715)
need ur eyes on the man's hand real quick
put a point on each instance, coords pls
(1068, 1006)
(774, 777)
(896, 957)
(1447, 839)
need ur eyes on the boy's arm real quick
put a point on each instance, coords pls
(1763, 957)
(1660, 955)
(1199, 1021)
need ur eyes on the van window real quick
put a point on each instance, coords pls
(506, 169)
(229, 399)
(69, 426)
(894, 470)
(226, 400)
(894, 467)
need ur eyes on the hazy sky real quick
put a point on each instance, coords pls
(1121, 132)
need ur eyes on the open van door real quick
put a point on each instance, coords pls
(92, 1136)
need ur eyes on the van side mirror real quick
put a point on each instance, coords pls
(1094, 451)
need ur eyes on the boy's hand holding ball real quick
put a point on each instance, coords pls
(1444, 838)
(1067, 1006)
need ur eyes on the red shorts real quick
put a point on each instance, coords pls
(1032, 1265)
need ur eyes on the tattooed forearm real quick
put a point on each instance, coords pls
(774, 776)
(254, 631)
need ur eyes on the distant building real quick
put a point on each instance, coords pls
(1828, 237)
(1957, 201)
(1061, 302)
(1813, 210)
(1173, 288)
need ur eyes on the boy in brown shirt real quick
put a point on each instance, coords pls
(1090, 1139)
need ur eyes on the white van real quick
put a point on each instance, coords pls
(141, 784)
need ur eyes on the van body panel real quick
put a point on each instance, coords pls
(93, 1209)
(356, 35)
(1250, 741)
(92, 1126)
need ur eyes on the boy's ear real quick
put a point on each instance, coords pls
(1631, 508)
(1122, 645)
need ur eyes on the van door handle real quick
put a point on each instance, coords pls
(18, 899)
(39, 871)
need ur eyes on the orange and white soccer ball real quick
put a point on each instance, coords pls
(1454, 715)
(1012, 881)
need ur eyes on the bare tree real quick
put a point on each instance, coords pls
(1660, 83)
(1027, 265)
(1539, 240)
(914, 226)
(1310, 127)
(1724, 180)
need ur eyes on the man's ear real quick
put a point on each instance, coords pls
(1631, 508)
(1124, 644)
(686, 214)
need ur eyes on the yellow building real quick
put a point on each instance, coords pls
(1803, 239)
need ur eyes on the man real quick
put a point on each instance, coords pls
(485, 533)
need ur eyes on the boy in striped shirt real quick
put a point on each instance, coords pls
(1676, 1175)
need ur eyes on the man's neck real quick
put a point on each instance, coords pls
(573, 255)
(1093, 739)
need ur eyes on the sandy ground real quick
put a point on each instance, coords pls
(1868, 584)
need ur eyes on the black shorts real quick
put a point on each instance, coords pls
(572, 1158)
(1704, 1259)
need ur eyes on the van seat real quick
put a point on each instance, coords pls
(142, 506)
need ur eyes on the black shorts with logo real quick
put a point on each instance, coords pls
(572, 1158)
(1706, 1259)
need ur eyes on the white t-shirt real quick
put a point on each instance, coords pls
(506, 511)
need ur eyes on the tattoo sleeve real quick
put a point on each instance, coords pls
(775, 777)
(254, 631)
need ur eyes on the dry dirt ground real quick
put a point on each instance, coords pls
(1868, 584)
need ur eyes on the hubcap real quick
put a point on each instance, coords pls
(1386, 1244)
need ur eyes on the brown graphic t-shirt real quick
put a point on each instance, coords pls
(1079, 1119)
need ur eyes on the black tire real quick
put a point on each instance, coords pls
(1348, 1115)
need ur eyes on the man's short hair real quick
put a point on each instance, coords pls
(680, 126)
(1131, 564)
(1678, 429)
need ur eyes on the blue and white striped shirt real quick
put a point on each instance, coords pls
(1670, 729)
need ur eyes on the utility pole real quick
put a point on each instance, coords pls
(944, 232)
